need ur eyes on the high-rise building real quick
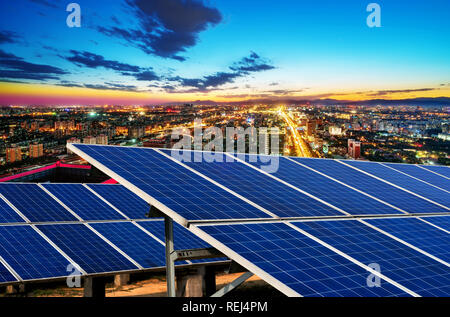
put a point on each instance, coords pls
(13, 154)
(90, 140)
(102, 139)
(36, 150)
(136, 132)
(354, 149)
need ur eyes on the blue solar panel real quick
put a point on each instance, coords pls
(403, 181)
(35, 203)
(326, 189)
(390, 194)
(259, 188)
(141, 247)
(422, 174)
(186, 193)
(7, 214)
(297, 261)
(29, 254)
(5, 275)
(183, 239)
(123, 199)
(418, 233)
(83, 202)
(443, 222)
(397, 261)
(86, 248)
(442, 170)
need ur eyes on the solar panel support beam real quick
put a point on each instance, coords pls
(170, 259)
(231, 286)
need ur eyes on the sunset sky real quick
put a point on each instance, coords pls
(161, 51)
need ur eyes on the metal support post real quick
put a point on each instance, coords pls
(170, 263)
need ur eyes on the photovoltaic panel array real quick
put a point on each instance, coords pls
(441, 170)
(422, 174)
(34, 203)
(5, 275)
(7, 214)
(404, 181)
(442, 222)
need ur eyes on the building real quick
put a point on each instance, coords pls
(136, 132)
(36, 150)
(72, 140)
(102, 139)
(13, 154)
(311, 127)
(90, 140)
(354, 149)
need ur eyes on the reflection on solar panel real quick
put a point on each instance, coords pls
(5, 275)
(397, 261)
(328, 190)
(442, 170)
(374, 187)
(298, 262)
(418, 233)
(7, 214)
(422, 174)
(443, 222)
(123, 199)
(403, 181)
(179, 189)
(83, 202)
(35, 203)
(261, 189)
(148, 252)
(87, 249)
(29, 254)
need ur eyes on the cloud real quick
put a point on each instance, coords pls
(246, 66)
(148, 75)
(46, 3)
(386, 92)
(92, 60)
(105, 86)
(7, 37)
(166, 27)
(15, 67)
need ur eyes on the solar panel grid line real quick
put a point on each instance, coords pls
(405, 243)
(429, 170)
(432, 224)
(105, 201)
(142, 194)
(57, 248)
(219, 185)
(60, 202)
(10, 269)
(418, 179)
(244, 262)
(149, 233)
(392, 184)
(290, 185)
(14, 208)
(353, 260)
(348, 186)
(114, 247)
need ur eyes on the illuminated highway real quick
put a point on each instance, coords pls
(301, 147)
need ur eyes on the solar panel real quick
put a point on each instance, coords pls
(35, 203)
(92, 253)
(83, 202)
(183, 239)
(442, 170)
(259, 188)
(29, 254)
(326, 189)
(422, 174)
(186, 193)
(7, 214)
(148, 252)
(302, 264)
(390, 194)
(418, 233)
(443, 222)
(123, 199)
(5, 275)
(403, 181)
(410, 268)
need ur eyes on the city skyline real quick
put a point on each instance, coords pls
(138, 52)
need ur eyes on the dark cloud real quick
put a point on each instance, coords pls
(7, 37)
(105, 86)
(148, 75)
(15, 67)
(247, 65)
(166, 27)
(46, 3)
(386, 92)
(94, 61)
